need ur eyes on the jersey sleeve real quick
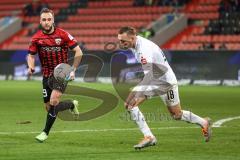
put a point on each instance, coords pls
(71, 41)
(32, 49)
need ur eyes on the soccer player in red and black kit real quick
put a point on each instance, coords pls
(52, 44)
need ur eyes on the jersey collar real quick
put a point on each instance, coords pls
(137, 43)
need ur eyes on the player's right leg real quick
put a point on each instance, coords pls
(55, 106)
(51, 116)
(131, 104)
(46, 98)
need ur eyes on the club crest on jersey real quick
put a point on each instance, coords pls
(58, 41)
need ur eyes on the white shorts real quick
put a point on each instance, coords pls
(171, 98)
(168, 93)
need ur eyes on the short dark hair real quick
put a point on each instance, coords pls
(46, 10)
(127, 29)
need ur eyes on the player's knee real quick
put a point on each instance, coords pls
(177, 115)
(54, 101)
(47, 106)
(129, 105)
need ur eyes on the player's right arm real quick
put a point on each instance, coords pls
(31, 63)
(32, 50)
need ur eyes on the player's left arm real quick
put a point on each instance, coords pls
(73, 45)
(77, 60)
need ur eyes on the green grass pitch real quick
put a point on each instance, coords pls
(112, 135)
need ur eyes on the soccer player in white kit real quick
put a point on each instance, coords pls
(159, 79)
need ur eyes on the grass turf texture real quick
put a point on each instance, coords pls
(22, 101)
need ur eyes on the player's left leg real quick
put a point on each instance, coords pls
(59, 87)
(171, 99)
(179, 114)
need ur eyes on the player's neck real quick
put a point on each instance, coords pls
(134, 44)
(50, 32)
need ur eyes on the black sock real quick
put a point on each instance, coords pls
(53, 111)
(51, 116)
(64, 105)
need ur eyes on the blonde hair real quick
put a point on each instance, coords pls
(127, 29)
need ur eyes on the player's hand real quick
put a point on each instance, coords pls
(71, 76)
(131, 103)
(31, 71)
(128, 106)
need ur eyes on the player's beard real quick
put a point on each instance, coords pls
(123, 47)
(46, 30)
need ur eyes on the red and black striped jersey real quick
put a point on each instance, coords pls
(52, 49)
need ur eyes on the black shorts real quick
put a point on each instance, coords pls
(49, 84)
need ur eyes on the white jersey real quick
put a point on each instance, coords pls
(154, 62)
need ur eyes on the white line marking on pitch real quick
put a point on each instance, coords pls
(215, 124)
(221, 121)
(93, 130)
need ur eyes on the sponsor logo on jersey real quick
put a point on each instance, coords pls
(143, 60)
(51, 49)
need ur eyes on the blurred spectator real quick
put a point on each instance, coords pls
(224, 6)
(162, 2)
(229, 6)
(138, 2)
(207, 46)
(149, 2)
(222, 46)
(83, 3)
(175, 12)
(32, 29)
(43, 4)
(146, 33)
(173, 3)
(82, 46)
(34, 8)
(27, 10)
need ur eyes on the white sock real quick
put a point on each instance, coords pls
(192, 118)
(138, 117)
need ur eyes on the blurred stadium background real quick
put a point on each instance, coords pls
(201, 39)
